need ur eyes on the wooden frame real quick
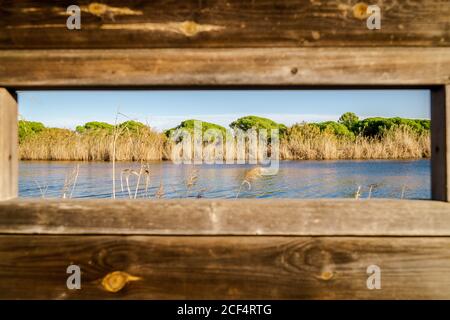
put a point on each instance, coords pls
(440, 143)
(202, 249)
(218, 68)
(8, 146)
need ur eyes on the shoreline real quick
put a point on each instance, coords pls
(299, 142)
(282, 160)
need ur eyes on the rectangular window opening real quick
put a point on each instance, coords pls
(226, 144)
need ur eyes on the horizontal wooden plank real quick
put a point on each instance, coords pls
(227, 217)
(34, 267)
(191, 67)
(222, 23)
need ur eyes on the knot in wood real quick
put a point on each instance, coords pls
(115, 281)
(360, 11)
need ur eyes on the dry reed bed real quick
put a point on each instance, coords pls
(398, 143)
(300, 143)
(61, 144)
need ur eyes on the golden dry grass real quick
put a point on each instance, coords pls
(302, 142)
(62, 144)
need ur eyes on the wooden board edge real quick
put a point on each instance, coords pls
(227, 217)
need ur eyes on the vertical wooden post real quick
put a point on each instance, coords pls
(440, 143)
(8, 146)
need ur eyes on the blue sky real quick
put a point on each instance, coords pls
(166, 109)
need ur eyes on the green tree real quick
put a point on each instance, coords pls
(188, 125)
(350, 120)
(94, 125)
(249, 122)
(28, 128)
(338, 129)
(133, 126)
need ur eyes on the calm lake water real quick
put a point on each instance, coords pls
(296, 179)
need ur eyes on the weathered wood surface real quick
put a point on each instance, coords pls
(8, 146)
(440, 143)
(178, 249)
(222, 23)
(191, 67)
(227, 217)
(34, 267)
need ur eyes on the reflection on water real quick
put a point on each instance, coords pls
(296, 179)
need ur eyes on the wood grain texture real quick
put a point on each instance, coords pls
(227, 217)
(34, 267)
(8, 146)
(222, 23)
(216, 67)
(273, 249)
(440, 143)
(447, 140)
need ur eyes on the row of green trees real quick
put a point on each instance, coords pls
(29, 128)
(130, 125)
(348, 126)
